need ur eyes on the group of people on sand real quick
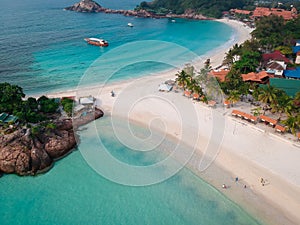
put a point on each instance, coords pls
(262, 181)
(236, 180)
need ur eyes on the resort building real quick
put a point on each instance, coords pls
(262, 11)
(220, 74)
(87, 101)
(292, 73)
(276, 56)
(259, 78)
(275, 68)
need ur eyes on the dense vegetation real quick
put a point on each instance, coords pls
(30, 110)
(271, 33)
(211, 8)
(208, 8)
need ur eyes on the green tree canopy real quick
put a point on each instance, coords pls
(10, 97)
(207, 8)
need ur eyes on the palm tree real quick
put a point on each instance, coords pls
(284, 104)
(297, 100)
(195, 87)
(292, 123)
(183, 79)
(234, 97)
(267, 95)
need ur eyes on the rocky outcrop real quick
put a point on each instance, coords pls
(91, 6)
(85, 6)
(25, 153)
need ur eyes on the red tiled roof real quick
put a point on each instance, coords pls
(268, 119)
(255, 77)
(221, 74)
(276, 55)
(240, 11)
(262, 11)
(298, 135)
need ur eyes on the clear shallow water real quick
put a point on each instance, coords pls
(42, 47)
(73, 193)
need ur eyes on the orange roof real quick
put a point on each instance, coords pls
(255, 77)
(279, 128)
(298, 135)
(235, 112)
(262, 11)
(221, 74)
(196, 96)
(187, 93)
(226, 102)
(244, 115)
(268, 119)
(240, 11)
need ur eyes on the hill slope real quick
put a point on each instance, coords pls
(210, 8)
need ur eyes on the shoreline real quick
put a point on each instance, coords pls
(272, 203)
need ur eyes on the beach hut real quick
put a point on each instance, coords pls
(165, 87)
(187, 94)
(211, 103)
(234, 112)
(196, 96)
(268, 120)
(279, 128)
(227, 103)
(89, 100)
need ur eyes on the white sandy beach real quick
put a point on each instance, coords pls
(236, 148)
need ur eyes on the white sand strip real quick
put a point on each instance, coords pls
(244, 152)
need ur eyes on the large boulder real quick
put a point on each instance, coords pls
(59, 145)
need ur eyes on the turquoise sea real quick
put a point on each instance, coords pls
(73, 193)
(42, 49)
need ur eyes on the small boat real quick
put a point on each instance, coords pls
(96, 41)
(173, 21)
(130, 24)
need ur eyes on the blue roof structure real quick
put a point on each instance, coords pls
(296, 49)
(292, 73)
(3, 116)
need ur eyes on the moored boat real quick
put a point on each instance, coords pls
(130, 24)
(97, 42)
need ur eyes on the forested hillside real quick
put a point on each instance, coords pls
(210, 8)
